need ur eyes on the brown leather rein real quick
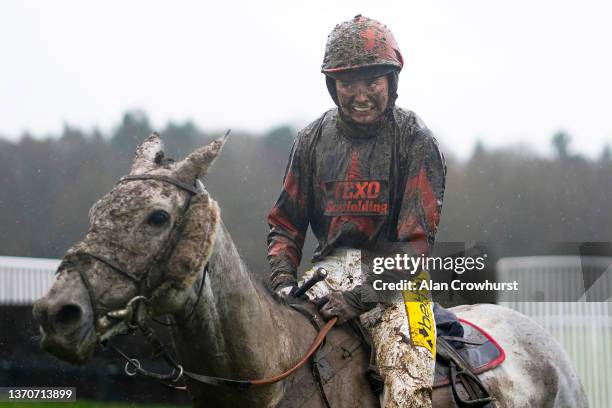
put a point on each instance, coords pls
(313, 348)
(270, 380)
(133, 319)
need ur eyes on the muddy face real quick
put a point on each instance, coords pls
(131, 227)
(364, 100)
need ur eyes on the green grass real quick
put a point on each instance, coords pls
(79, 404)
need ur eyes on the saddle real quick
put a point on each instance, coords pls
(463, 352)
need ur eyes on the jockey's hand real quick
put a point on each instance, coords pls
(335, 304)
(285, 291)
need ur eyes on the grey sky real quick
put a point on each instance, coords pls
(505, 72)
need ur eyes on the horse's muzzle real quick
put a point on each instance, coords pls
(66, 327)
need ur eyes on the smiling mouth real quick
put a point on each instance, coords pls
(362, 109)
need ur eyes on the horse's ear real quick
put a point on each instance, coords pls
(197, 163)
(148, 154)
(197, 236)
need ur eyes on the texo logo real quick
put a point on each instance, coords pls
(351, 190)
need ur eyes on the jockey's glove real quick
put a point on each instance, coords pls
(344, 305)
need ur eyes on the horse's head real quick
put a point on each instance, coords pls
(151, 234)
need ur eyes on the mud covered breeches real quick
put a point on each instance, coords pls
(402, 332)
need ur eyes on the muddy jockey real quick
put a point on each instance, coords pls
(364, 173)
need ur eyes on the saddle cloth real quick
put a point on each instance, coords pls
(478, 349)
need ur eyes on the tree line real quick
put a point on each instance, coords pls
(515, 201)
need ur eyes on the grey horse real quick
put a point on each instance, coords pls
(158, 233)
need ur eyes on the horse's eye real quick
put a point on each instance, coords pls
(158, 218)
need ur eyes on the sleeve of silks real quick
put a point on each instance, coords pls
(289, 219)
(423, 194)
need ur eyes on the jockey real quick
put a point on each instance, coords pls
(364, 173)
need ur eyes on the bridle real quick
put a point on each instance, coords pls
(135, 313)
(140, 280)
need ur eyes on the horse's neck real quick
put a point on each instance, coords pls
(238, 330)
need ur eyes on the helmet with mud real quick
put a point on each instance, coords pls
(361, 45)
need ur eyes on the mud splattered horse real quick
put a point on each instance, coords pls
(154, 236)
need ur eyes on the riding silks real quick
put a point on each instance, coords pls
(357, 190)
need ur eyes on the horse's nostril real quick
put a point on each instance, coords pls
(68, 315)
(40, 312)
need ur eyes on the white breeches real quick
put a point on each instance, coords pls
(403, 332)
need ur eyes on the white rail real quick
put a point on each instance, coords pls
(584, 329)
(23, 280)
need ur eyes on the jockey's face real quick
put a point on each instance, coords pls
(363, 100)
